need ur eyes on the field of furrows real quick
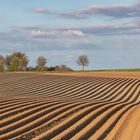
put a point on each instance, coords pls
(59, 107)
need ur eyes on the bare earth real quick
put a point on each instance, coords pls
(102, 74)
(76, 106)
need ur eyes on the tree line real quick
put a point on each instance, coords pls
(19, 61)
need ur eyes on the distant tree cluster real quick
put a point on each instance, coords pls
(19, 61)
(15, 62)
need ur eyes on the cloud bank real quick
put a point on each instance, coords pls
(115, 11)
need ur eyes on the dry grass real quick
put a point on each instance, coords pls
(77, 106)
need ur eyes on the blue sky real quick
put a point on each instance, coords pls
(107, 31)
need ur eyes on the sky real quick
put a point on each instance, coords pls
(107, 31)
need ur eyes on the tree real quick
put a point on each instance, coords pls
(83, 61)
(62, 68)
(19, 61)
(1, 63)
(7, 61)
(41, 62)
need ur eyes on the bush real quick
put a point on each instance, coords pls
(11, 68)
(1, 68)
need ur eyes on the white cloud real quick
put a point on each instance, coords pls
(38, 33)
(73, 32)
(40, 10)
(57, 33)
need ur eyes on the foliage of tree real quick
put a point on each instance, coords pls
(19, 61)
(62, 68)
(83, 61)
(1, 63)
(51, 68)
(11, 68)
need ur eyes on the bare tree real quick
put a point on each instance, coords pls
(41, 62)
(83, 61)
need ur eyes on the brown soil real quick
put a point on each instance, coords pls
(76, 106)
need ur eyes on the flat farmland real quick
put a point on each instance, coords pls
(76, 106)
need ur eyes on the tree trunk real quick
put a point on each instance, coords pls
(83, 67)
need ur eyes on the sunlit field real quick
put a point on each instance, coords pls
(76, 106)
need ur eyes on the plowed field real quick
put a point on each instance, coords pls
(61, 107)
